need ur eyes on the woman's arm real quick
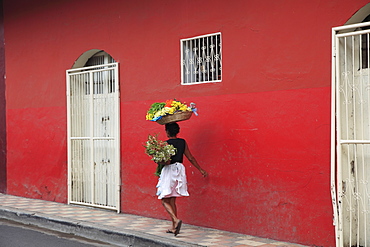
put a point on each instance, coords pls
(193, 161)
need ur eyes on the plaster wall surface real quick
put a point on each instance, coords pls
(263, 133)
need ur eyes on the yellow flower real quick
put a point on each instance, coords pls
(171, 111)
(149, 116)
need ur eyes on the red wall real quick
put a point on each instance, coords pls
(263, 133)
(3, 171)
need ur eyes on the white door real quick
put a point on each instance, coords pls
(94, 136)
(351, 134)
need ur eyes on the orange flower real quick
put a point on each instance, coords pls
(168, 103)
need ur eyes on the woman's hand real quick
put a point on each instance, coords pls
(165, 163)
(204, 173)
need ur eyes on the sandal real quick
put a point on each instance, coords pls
(178, 227)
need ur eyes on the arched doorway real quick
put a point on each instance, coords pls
(93, 131)
(351, 130)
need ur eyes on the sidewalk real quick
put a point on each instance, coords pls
(120, 229)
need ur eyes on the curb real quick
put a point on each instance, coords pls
(90, 230)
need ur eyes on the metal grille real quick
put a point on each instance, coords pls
(93, 136)
(351, 135)
(201, 59)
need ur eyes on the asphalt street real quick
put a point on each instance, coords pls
(13, 234)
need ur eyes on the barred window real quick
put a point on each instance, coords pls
(201, 59)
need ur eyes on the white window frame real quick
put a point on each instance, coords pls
(201, 59)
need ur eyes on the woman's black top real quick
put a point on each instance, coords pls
(179, 144)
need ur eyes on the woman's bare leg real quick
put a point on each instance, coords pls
(173, 204)
(170, 206)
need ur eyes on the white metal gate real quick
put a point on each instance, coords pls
(94, 136)
(351, 134)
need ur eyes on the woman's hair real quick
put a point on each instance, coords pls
(172, 129)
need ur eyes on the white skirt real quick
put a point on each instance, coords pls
(172, 182)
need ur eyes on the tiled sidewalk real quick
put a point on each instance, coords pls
(149, 227)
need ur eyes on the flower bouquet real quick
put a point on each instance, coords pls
(170, 111)
(160, 152)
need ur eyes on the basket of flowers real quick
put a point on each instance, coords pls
(170, 111)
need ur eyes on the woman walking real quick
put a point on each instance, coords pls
(172, 181)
